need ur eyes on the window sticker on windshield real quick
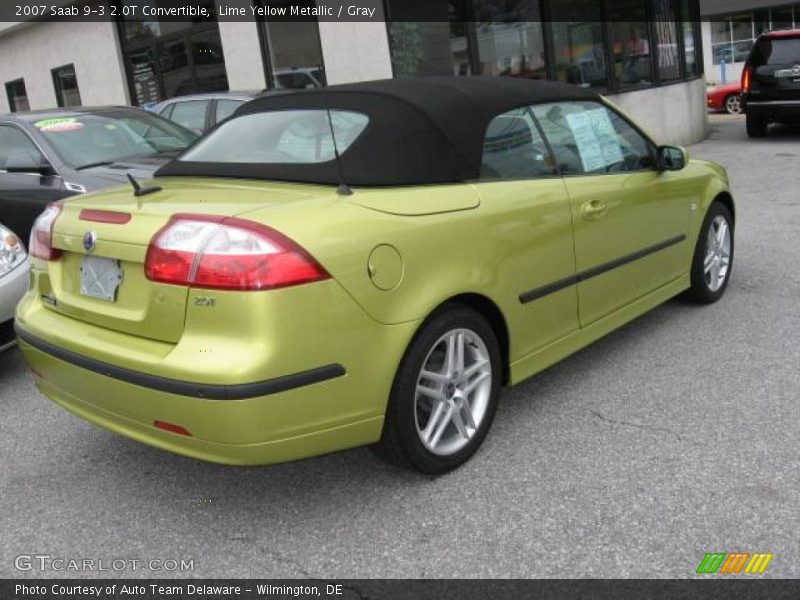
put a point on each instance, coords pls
(596, 139)
(58, 125)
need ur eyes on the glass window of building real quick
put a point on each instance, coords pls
(17, 96)
(761, 22)
(690, 39)
(508, 35)
(601, 44)
(782, 17)
(65, 83)
(466, 37)
(295, 54)
(630, 43)
(667, 40)
(171, 58)
(578, 43)
(733, 35)
(428, 37)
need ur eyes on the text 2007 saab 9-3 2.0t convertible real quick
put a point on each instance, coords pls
(365, 264)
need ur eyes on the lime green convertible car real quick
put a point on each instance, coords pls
(365, 264)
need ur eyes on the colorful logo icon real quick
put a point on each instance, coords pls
(734, 562)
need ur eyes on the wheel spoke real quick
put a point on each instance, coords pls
(458, 421)
(450, 356)
(435, 417)
(441, 425)
(472, 369)
(429, 392)
(460, 343)
(722, 233)
(470, 387)
(432, 376)
(708, 262)
(466, 410)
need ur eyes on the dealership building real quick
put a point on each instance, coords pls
(646, 55)
(730, 27)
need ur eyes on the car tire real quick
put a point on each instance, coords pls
(733, 104)
(756, 127)
(439, 430)
(713, 256)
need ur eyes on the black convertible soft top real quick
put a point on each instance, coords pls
(421, 130)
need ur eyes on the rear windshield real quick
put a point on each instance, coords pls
(776, 51)
(281, 137)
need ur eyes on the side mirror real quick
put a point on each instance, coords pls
(28, 162)
(672, 158)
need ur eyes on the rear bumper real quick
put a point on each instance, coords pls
(304, 382)
(776, 110)
(131, 411)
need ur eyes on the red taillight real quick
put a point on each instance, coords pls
(172, 428)
(229, 254)
(41, 242)
(746, 74)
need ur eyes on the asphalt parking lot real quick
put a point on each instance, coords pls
(675, 436)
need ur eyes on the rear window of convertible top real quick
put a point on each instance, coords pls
(280, 137)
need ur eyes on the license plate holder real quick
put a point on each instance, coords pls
(100, 277)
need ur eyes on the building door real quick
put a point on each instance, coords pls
(190, 61)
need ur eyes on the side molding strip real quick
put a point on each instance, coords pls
(551, 288)
(186, 388)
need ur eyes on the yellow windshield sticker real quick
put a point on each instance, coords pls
(58, 125)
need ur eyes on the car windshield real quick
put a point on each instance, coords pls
(87, 140)
(281, 137)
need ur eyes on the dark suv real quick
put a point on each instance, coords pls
(771, 81)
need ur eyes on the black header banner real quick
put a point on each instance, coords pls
(200, 11)
(373, 589)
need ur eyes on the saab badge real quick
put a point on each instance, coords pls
(89, 241)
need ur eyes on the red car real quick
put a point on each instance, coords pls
(726, 97)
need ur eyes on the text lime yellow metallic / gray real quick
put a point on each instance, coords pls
(320, 358)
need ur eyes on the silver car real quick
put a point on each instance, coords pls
(14, 266)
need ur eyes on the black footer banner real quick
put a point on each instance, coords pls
(378, 589)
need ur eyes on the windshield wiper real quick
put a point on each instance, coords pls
(101, 163)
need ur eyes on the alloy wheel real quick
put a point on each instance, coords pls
(453, 391)
(733, 104)
(718, 253)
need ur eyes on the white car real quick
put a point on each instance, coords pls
(14, 266)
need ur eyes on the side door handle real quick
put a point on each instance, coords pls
(593, 209)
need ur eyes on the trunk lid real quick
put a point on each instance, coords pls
(138, 306)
